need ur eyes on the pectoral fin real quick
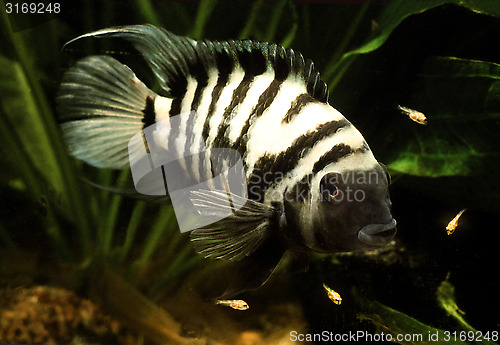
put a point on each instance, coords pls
(244, 225)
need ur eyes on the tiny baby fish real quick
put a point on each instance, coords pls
(237, 304)
(452, 225)
(333, 295)
(415, 115)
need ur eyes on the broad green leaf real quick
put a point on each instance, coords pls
(446, 299)
(31, 132)
(395, 324)
(413, 332)
(398, 10)
(390, 18)
(461, 99)
(20, 106)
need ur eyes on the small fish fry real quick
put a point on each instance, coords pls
(333, 295)
(452, 225)
(237, 304)
(415, 115)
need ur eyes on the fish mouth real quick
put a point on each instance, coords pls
(378, 234)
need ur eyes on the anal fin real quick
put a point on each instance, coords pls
(255, 270)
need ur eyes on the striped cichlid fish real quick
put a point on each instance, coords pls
(313, 183)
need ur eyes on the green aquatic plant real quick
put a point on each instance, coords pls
(412, 332)
(393, 15)
(44, 172)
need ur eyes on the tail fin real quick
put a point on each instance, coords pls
(102, 105)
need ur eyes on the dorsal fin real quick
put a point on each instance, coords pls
(173, 58)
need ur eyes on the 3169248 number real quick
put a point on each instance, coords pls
(470, 336)
(32, 7)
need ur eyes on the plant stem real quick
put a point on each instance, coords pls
(205, 8)
(109, 222)
(275, 18)
(133, 224)
(336, 61)
(148, 12)
(248, 28)
(155, 233)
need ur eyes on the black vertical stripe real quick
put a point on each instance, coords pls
(265, 100)
(202, 82)
(282, 65)
(203, 62)
(225, 65)
(238, 97)
(190, 133)
(287, 160)
(216, 92)
(175, 108)
(277, 166)
(253, 65)
(282, 61)
(149, 112)
(335, 154)
(297, 106)
(198, 93)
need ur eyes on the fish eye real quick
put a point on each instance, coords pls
(327, 188)
(387, 175)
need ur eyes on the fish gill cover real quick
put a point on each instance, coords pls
(437, 57)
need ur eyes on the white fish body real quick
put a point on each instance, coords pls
(259, 99)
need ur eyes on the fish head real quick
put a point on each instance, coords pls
(351, 210)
